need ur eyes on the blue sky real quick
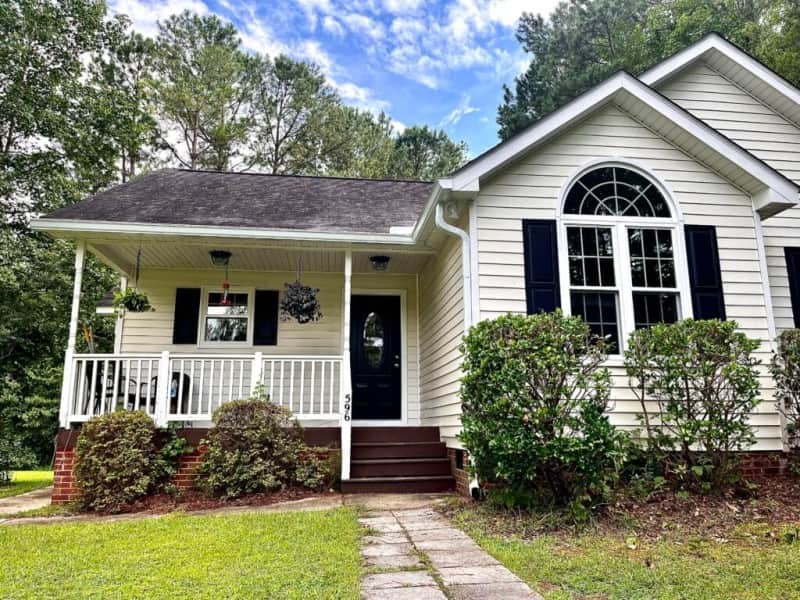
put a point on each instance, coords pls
(436, 63)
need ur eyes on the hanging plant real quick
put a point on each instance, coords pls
(132, 299)
(299, 302)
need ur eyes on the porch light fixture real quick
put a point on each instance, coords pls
(220, 258)
(379, 263)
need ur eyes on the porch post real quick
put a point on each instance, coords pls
(346, 384)
(161, 410)
(67, 388)
(120, 322)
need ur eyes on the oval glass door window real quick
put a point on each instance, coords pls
(373, 340)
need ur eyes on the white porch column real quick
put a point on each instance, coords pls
(255, 373)
(120, 320)
(67, 389)
(346, 383)
(161, 411)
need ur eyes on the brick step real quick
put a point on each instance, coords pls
(395, 434)
(398, 485)
(367, 450)
(402, 467)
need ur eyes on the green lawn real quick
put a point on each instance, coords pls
(26, 481)
(750, 565)
(279, 555)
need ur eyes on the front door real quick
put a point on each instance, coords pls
(375, 357)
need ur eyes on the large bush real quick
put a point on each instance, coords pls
(534, 397)
(785, 368)
(117, 460)
(697, 384)
(256, 446)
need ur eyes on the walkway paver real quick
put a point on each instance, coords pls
(35, 499)
(415, 553)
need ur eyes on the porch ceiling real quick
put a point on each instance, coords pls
(319, 259)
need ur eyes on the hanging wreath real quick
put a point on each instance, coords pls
(132, 299)
(299, 302)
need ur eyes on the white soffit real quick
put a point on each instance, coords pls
(655, 111)
(733, 63)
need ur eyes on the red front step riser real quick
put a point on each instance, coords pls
(395, 434)
(425, 486)
(400, 468)
(406, 450)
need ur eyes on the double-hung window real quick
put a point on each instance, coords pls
(226, 319)
(620, 239)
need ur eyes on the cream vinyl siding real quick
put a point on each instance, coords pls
(769, 136)
(441, 328)
(152, 331)
(530, 188)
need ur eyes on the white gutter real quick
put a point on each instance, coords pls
(466, 263)
(93, 227)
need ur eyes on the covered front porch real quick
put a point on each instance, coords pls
(192, 353)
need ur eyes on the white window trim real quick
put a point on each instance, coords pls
(201, 337)
(622, 273)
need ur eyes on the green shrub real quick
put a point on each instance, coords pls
(533, 399)
(697, 384)
(256, 446)
(28, 425)
(785, 368)
(116, 460)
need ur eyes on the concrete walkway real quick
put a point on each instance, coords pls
(35, 499)
(416, 554)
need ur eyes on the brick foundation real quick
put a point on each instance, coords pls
(459, 471)
(764, 464)
(63, 483)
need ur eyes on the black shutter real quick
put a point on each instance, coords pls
(541, 265)
(793, 270)
(708, 300)
(187, 313)
(265, 327)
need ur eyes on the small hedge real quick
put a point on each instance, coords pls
(697, 384)
(254, 447)
(785, 368)
(117, 460)
(534, 397)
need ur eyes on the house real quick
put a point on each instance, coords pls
(656, 198)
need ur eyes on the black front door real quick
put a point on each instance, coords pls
(375, 357)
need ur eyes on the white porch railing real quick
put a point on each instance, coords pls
(309, 386)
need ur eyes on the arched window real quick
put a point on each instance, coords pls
(620, 235)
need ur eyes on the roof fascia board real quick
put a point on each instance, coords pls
(714, 42)
(90, 227)
(598, 96)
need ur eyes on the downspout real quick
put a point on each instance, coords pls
(466, 263)
(466, 273)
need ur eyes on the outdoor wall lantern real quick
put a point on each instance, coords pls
(379, 263)
(220, 258)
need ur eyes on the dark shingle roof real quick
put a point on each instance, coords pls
(204, 198)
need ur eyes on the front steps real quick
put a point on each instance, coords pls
(398, 460)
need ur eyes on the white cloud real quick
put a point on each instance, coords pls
(462, 109)
(360, 97)
(364, 25)
(402, 7)
(331, 25)
(145, 14)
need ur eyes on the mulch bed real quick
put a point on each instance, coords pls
(774, 501)
(193, 500)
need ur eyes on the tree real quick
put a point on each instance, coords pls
(122, 85)
(43, 102)
(293, 107)
(363, 145)
(202, 84)
(423, 153)
(585, 41)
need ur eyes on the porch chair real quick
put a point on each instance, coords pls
(104, 392)
(174, 389)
